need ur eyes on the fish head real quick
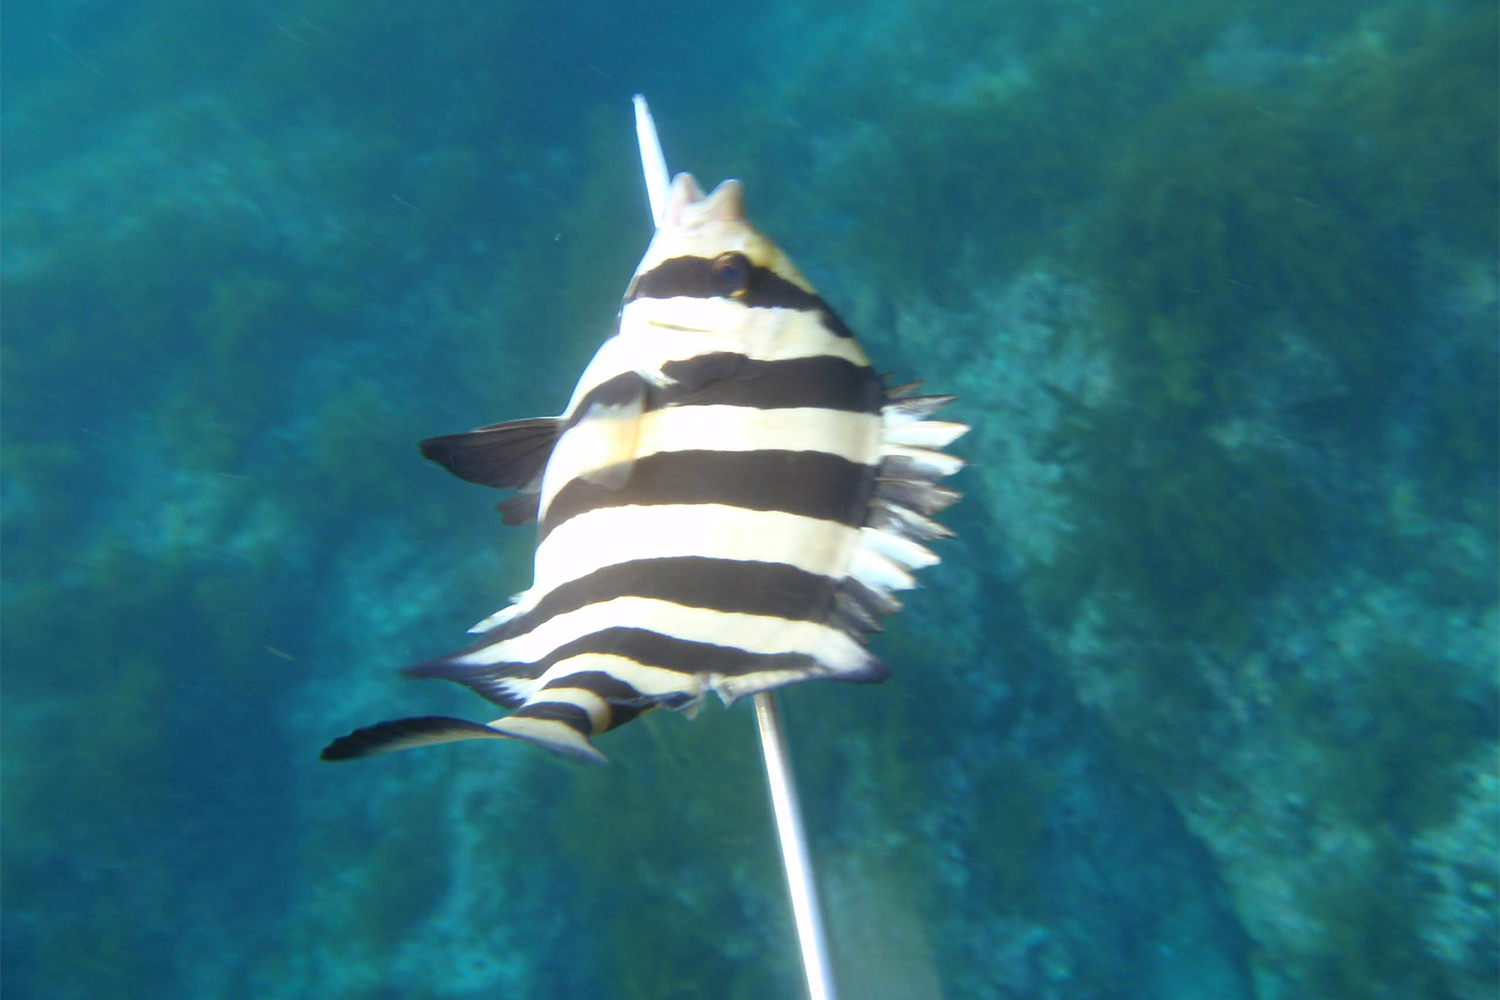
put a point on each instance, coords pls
(704, 224)
(706, 260)
(714, 228)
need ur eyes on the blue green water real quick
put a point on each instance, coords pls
(1200, 704)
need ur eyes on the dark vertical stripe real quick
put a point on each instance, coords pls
(727, 379)
(606, 686)
(693, 277)
(625, 702)
(753, 588)
(684, 656)
(621, 714)
(809, 483)
(653, 649)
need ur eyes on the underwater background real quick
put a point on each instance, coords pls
(1202, 702)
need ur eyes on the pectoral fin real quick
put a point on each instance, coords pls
(601, 445)
(509, 455)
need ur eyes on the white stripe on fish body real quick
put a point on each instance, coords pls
(589, 702)
(683, 327)
(854, 436)
(653, 683)
(759, 634)
(613, 535)
(725, 505)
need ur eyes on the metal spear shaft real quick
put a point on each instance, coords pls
(794, 854)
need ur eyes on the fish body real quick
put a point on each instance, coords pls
(725, 506)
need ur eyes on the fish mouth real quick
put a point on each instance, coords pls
(674, 326)
(687, 206)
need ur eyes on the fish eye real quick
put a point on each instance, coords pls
(730, 274)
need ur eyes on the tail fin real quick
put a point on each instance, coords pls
(425, 730)
(402, 734)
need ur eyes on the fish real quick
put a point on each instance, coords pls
(728, 504)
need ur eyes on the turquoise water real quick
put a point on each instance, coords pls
(1200, 704)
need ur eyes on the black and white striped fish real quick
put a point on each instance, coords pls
(726, 504)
